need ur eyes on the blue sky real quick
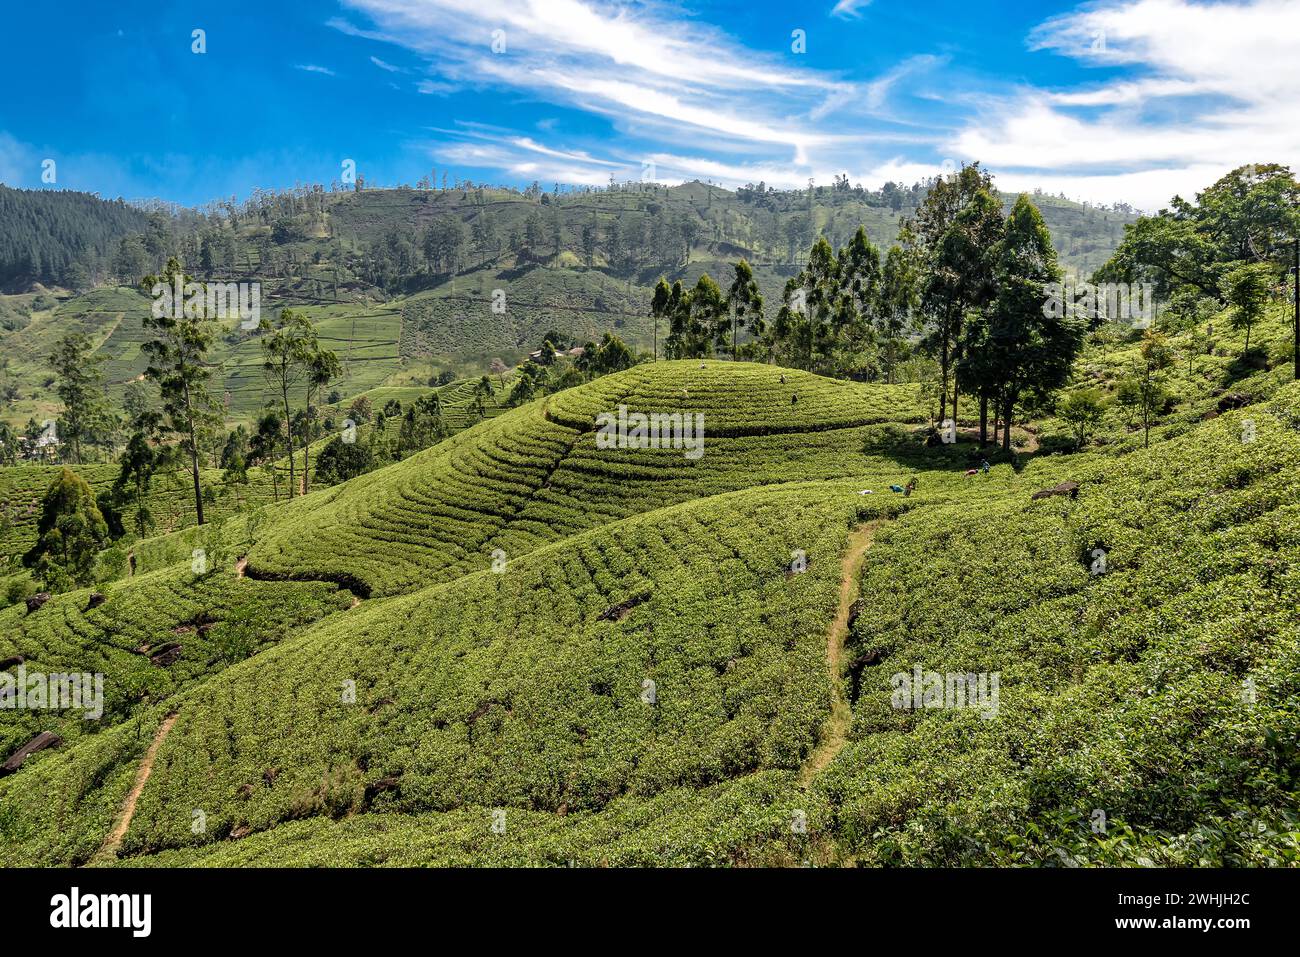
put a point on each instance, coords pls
(1127, 100)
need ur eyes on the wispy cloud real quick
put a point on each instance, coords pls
(384, 65)
(1185, 90)
(1203, 88)
(633, 64)
(850, 8)
(435, 88)
(313, 68)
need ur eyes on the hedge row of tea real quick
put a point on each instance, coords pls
(151, 636)
(538, 473)
(1147, 639)
(681, 648)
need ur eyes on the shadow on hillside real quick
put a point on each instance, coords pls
(907, 446)
(1244, 366)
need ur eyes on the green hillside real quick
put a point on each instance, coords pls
(570, 653)
(604, 608)
(528, 477)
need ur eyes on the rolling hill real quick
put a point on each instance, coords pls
(522, 647)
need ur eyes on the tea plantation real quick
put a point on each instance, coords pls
(524, 647)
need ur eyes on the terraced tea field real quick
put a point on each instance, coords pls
(523, 647)
(534, 474)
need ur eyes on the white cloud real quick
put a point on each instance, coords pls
(1185, 90)
(383, 65)
(435, 88)
(1152, 188)
(636, 65)
(1204, 88)
(850, 8)
(313, 68)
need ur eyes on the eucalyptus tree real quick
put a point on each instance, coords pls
(181, 335)
(744, 303)
(288, 346)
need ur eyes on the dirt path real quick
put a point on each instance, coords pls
(835, 732)
(114, 840)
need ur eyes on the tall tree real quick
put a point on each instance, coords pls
(263, 446)
(1245, 287)
(860, 279)
(482, 394)
(960, 279)
(659, 303)
(1024, 350)
(143, 456)
(898, 300)
(694, 319)
(820, 283)
(923, 237)
(287, 349)
(177, 352)
(744, 303)
(79, 383)
(322, 368)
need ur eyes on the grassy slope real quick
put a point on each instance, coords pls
(534, 474)
(478, 691)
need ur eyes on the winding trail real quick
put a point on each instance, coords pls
(108, 850)
(835, 732)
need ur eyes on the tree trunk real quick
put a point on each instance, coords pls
(194, 455)
(1006, 426)
(306, 449)
(1146, 410)
(288, 435)
(943, 381)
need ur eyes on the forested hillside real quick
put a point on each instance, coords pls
(60, 237)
